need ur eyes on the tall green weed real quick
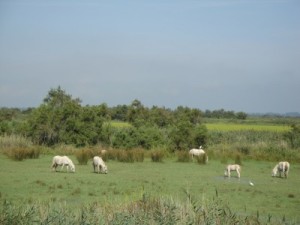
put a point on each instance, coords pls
(146, 211)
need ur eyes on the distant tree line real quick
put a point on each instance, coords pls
(61, 119)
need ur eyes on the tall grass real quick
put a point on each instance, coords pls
(259, 145)
(157, 155)
(83, 156)
(183, 156)
(18, 148)
(202, 159)
(245, 127)
(20, 154)
(146, 211)
(134, 155)
(13, 141)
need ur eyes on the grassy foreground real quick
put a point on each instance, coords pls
(31, 181)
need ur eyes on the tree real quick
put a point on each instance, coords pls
(200, 135)
(160, 116)
(241, 115)
(137, 114)
(180, 135)
(293, 136)
(61, 119)
(55, 118)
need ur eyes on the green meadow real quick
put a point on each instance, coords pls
(229, 126)
(32, 181)
(245, 127)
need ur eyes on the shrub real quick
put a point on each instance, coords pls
(21, 153)
(83, 156)
(238, 159)
(202, 159)
(33, 153)
(138, 155)
(13, 142)
(157, 156)
(183, 156)
(125, 156)
(244, 149)
(63, 149)
(104, 156)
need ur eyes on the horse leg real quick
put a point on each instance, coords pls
(238, 173)
(62, 166)
(228, 172)
(53, 167)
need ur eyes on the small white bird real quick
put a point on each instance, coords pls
(251, 183)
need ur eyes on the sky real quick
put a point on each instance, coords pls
(240, 55)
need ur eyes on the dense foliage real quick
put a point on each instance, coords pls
(61, 119)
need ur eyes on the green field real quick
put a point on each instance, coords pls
(32, 180)
(253, 127)
(229, 126)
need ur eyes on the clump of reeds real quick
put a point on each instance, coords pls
(13, 141)
(202, 159)
(21, 153)
(130, 156)
(157, 156)
(183, 156)
(147, 210)
(238, 159)
(83, 156)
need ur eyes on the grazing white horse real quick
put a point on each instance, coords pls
(62, 161)
(281, 167)
(198, 152)
(232, 167)
(99, 164)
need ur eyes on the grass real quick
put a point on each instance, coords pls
(223, 125)
(243, 127)
(120, 124)
(32, 180)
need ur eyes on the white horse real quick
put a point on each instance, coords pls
(62, 161)
(99, 164)
(281, 167)
(198, 152)
(232, 167)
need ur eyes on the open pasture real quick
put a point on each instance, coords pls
(244, 127)
(230, 126)
(32, 180)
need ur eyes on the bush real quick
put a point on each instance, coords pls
(138, 155)
(14, 141)
(21, 153)
(83, 156)
(33, 153)
(202, 159)
(157, 156)
(183, 156)
(238, 159)
(125, 156)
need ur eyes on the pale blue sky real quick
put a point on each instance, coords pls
(237, 55)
